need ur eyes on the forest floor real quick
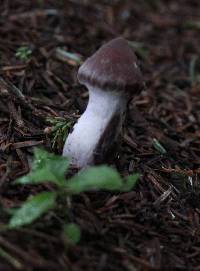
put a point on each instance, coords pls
(157, 225)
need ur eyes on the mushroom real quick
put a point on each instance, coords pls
(112, 77)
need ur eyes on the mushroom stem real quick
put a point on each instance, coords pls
(98, 127)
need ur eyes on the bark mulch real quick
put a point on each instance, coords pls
(157, 225)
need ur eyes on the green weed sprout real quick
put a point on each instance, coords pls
(48, 167)
(59, 131)
(23, 53)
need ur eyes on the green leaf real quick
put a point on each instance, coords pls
(47, 167)
(100, 177)
(130, 182)
(32, 209)
(23, 53)
(72, 232)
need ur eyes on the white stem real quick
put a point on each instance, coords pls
(82, 142)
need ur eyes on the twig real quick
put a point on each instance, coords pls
(32, 14)
(28, 258)
(15, 115)
(13, 261)
(25, 144)
(163, 197)
(186, 172)
(12, 89)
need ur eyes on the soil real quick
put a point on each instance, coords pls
(157, 225)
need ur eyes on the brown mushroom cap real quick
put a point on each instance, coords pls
(112, 67)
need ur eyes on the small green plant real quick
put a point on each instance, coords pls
(48, 167)
(59, 131)
(23, 53)
(72, 233)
